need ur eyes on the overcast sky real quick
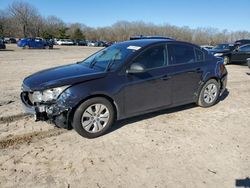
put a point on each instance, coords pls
(222, 14)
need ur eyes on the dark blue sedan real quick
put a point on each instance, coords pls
(34, 43)
(124, 80)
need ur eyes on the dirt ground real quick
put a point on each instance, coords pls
(186, 146)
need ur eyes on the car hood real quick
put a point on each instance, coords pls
(61, 76)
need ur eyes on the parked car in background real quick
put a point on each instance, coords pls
(240, 54)
(223, 50)
(242, 42)
(100, 44)
(107, 44)
(124, 80)
(92, 43)
(38, 43)
(64, 42)
(207, 47)
(2, 45)
(10, 40)
(80, 42)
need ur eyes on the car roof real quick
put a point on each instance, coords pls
(136, 37)
(148, 42)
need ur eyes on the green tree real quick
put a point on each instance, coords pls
(77, 34)
(62, 33)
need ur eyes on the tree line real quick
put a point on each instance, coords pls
(21, 20)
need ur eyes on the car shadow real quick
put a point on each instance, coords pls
(248, 73)
(238, 63)
(223, 96)
(120, 123)
(6, 50)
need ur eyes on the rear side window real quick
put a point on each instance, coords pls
(199, 55)
(180, 54)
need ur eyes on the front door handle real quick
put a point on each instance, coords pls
(198, 70)
(165, 77)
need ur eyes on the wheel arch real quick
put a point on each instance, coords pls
(203, 82)
(110, 99)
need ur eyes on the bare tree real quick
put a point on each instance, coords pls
(25, 14)
(22, 19)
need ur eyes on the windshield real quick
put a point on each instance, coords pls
(109, 58)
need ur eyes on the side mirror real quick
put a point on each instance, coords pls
(236, 49)
(136, 68)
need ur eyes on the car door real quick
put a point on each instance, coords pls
(185, 66)
(38, 43)
(241, 54)
(149, 89)
(31, 42)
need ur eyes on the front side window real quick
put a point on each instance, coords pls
(180, 54)
(153, 57)
(245, 48)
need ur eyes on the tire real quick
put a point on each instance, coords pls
(226, 60)
(209, 93)
(46, 47)
(26, 47)
(91, 124)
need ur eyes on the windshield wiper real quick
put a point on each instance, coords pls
(92, 64)
(111, 62)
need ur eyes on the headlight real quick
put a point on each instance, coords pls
(48, 94)
(218, 54)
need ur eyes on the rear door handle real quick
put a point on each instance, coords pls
(198, 70)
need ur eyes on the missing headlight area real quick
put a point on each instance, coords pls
(45, 106)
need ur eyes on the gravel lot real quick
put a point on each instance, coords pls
(186, 146)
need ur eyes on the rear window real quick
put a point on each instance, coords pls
(199, 55)
(180, 54)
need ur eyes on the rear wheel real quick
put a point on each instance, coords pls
(26, 47)
(209, 93)
(93, 117)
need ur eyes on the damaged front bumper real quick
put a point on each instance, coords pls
(51, 112)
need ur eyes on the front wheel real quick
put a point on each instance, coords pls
(93, 117)
(209, 93)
